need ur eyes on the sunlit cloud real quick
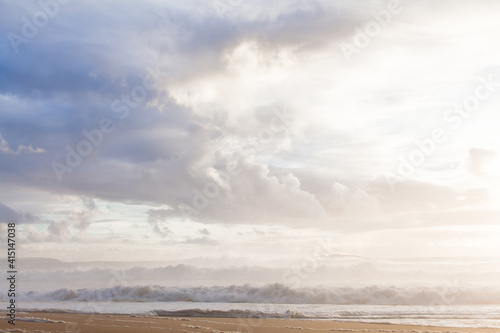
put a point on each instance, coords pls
(125, 124)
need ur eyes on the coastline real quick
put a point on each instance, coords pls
(44, 322)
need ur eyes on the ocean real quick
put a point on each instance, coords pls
(446, 316)
(436, 292)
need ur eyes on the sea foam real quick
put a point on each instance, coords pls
(276, 294)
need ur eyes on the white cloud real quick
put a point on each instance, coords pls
(266, 87)
(4, 148)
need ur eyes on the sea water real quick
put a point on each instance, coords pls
(453, 292)
(448, 316)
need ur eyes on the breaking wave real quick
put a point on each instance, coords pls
(231, 314)
(277, 294)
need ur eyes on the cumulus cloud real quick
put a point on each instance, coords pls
(256, 195)
(80, 219)
(253, 117)
(56, 232)
(59, 231)
(157, 219)
(355, 202)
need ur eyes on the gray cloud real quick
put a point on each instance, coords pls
(81, 220)
(67, 85)
(201, 241)
(7, 214)
(226, 75)
(59, 231)
(157, 219)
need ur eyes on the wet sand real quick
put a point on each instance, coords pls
(42, 322)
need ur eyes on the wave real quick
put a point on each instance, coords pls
(233, 313)
(277, 294)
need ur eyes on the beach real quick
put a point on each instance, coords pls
(42, 322)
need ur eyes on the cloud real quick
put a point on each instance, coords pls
(417, 196)
(157, 219)
(359, 202)
(56, 232)
(59, 231)
(81, 219)
(201, 241)
(7, 214)
(204, 231)
(256, 195)
(4, 148)
(264, 91)
(182, 134)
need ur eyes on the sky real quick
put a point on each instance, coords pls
(250, 130)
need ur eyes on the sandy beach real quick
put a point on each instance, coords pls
(41, 322)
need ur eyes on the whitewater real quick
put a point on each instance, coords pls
(436, 292)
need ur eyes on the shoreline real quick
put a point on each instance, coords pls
(44, 322)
